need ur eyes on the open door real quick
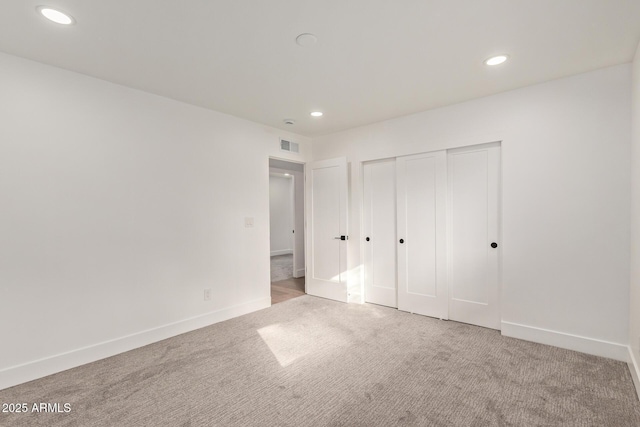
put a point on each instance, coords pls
(326, 189)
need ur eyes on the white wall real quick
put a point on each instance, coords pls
(281, 214)
(118, 209)
(566, 174)
(634, 297)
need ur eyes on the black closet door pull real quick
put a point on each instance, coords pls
(367, 239)
(494, 245)
(401, 240)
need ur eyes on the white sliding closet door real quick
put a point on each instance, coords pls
(421, 218)
(380, 233)
(474, 235)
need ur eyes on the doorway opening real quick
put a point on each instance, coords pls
(286, 229)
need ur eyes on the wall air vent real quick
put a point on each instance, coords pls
(293, 147)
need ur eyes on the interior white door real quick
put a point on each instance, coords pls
(474, 230)
(379, 244)
(421, 217)
(326, 188)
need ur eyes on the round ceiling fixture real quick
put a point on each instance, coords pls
(289, 121)
(316, 113)
(496, 60)
(306, 39)
(55, 15)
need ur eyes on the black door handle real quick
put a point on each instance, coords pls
(494, 245)
(367, 239)
(401, 240)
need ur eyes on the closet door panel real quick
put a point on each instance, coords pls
(474, 230)
(380, 233)
(421, 207)
(420, 199)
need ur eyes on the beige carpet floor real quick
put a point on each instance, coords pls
(314, 362)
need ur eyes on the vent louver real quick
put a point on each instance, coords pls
(290, 146)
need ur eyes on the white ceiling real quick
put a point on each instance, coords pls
(375, 59)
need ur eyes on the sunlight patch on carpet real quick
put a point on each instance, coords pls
(292, 341)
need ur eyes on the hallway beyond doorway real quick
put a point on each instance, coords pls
(287, 289)
(283, 285)
(281, 267)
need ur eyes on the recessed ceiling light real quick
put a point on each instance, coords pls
(496, 60)
(316, 113)
(55, 15)
(306, 39)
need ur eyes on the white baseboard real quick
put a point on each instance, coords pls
(568, 341)
(282, 252)
(19, 374)
(635, 371)
(298, 273)
(355, 298)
